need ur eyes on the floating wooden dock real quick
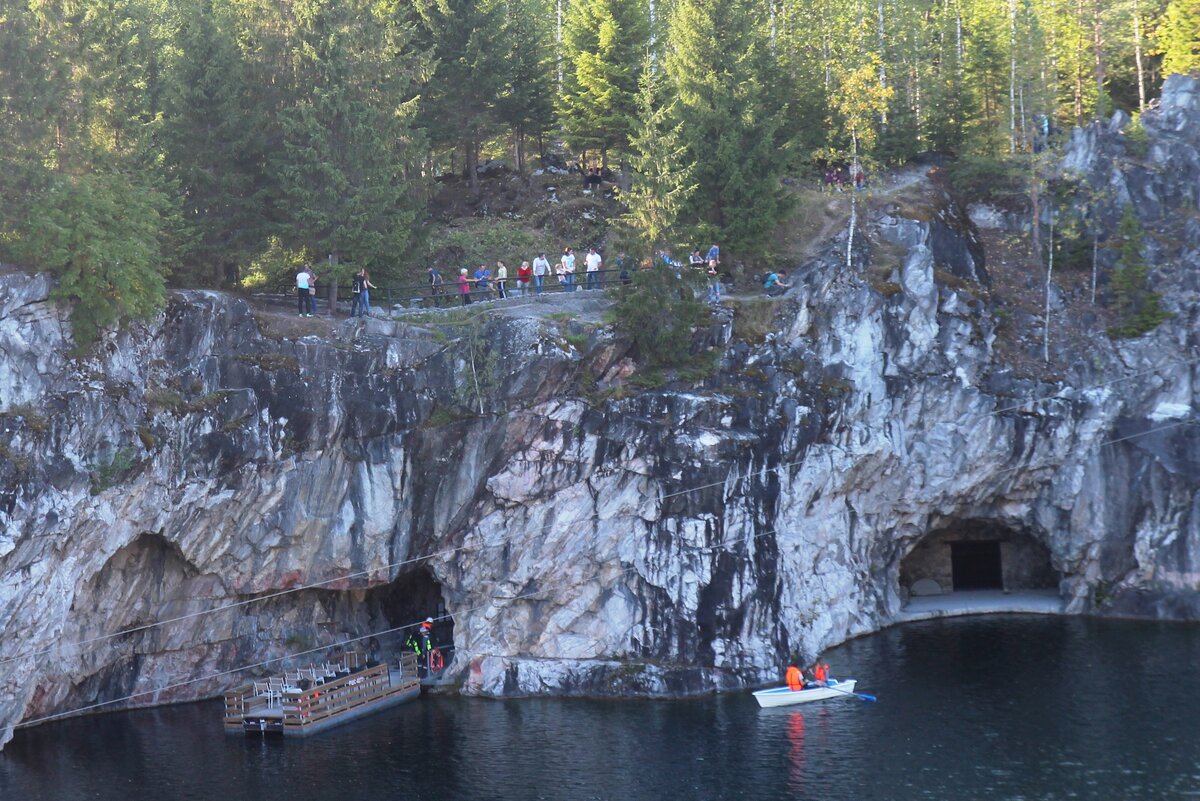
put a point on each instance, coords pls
(316, 698)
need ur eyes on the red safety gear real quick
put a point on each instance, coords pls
(794, 680)
(820, 672)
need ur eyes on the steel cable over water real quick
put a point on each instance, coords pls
(445, 552)
(395, 629)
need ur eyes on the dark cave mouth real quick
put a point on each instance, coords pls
(971, 555)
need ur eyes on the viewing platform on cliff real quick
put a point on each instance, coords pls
(319, 697)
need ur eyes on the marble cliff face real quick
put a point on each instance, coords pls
(587, 535)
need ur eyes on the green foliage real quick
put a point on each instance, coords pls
(1137, 142)
(526, 102)
(991, 179)
(470, 243)
(1138, 307)
(467, 40)
(346, 130)
(658, 313)
(732, 119)
(1179, 37)
(604, 50)
(214, 136)
(108, 472)
(98, 234)
(662, 178)
(276, 265)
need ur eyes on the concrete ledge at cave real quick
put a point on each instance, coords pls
(981, 602)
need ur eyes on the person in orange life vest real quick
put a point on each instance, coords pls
(820, 674)
(795, 680)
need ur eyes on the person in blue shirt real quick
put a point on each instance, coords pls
(481, 279)
(714, 254)
(775, 285)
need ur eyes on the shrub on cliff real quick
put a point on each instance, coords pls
(1138, 307)
(658, 313)
(99, 235)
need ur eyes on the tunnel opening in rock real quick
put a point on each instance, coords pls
(377, 619)
(399, 607)
(977, 555)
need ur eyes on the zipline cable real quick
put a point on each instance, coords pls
(545, 528)
(626, 571)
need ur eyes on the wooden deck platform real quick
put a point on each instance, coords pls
(317, 698)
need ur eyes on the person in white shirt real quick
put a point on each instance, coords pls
(305, 282)
(568, 265)
(593, 261)
(541, 268)
(502, 279)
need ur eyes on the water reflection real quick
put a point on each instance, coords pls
(997, 708)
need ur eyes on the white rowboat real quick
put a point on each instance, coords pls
(783, 696)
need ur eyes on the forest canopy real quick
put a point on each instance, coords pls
(177, 142)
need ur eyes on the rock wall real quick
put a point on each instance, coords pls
(586, 536)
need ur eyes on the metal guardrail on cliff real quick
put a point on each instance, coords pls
(330, 299)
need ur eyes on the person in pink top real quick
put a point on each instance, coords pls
(464, 286)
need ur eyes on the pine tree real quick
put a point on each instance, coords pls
(526, 104)
(604, 47)
(348, 138)
(721, 71)
(459, 99)
(99, 234)
(214, 146)
(662, 178)
(1137, 306)
(1179, 37)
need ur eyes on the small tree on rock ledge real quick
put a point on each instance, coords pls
(1138, 307)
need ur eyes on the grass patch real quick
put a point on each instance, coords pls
(271, 362)
(111, 471)
(887, 288)
(470, 242)
(36, 422)
(21, 463)
(753, 318)
(951, 280)
(149, 441)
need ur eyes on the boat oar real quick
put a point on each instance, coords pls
(863, 696)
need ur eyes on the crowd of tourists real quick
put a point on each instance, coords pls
(541, 275)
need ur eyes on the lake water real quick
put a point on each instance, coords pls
(969, 708)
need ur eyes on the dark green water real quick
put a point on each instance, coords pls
(974, 708)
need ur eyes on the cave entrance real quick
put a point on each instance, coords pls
(404, 603)
(973, 555)
(976, 565)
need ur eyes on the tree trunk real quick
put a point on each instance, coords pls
(471, 151)
(1095, 253)
(1098, 54)
(1137, 55)
(1049, 277)
(1012, 76)
(883, 118)
(331, 291)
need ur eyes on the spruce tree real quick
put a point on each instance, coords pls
(348, 140)
(604, 47)
(459, 98)
(1138, 307)
(721, 70)
(1179, 37)
(526, 104)
(214, 141)
(662, 177)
